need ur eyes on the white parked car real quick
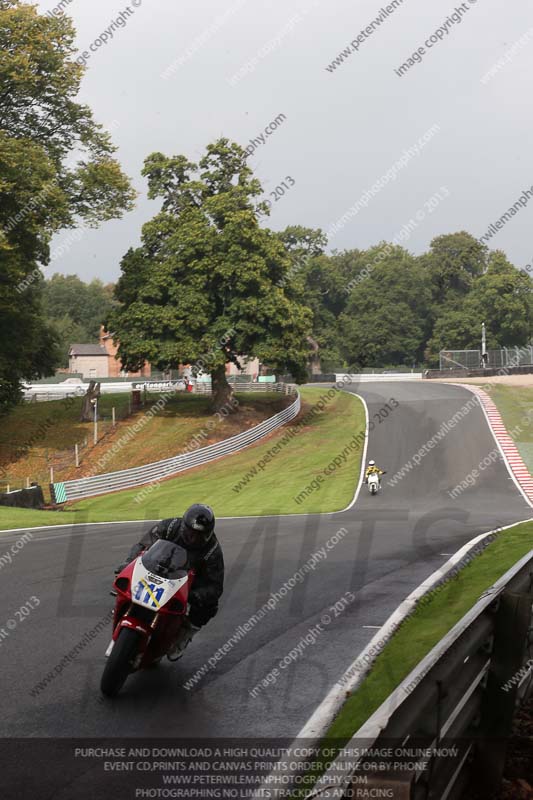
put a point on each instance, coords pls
(77, 385)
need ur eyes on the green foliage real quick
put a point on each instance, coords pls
(303, 242)
(29, 345)
(86, 304)
(68, 332)
(502, 297)
(40, 191)
(385, 321)
(322, 282)
(454, 261)
(76, 310)
(456, 329)
(383, 307)
(207, 282)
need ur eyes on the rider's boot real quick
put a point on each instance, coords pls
(184, 638)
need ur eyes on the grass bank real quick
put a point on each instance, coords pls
(37, 436)
(274, 489)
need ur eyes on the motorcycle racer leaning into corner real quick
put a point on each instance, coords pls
(195, 532)
(373, 469)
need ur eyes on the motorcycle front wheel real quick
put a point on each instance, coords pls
(120, 662)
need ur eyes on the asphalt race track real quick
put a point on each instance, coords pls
(393, 542)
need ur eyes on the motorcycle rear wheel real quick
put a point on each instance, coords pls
(120, 662)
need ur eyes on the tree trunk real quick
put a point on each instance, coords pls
(221, 391)
(87, 409)
(314, 359)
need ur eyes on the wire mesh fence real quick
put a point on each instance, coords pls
(471, 359)
(31, 462)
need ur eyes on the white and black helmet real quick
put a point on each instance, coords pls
(371, 463)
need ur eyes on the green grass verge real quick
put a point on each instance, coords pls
(428, 624)
(270, 491)
(417, 636)
(515, 404)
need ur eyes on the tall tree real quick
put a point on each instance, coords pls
(313, 280)
(67, 333)
(206, 286)
(87, 304)
(303, 243)
(321, 286)
(386, 320)
(76, 309)
(40, 190)
(502, 298)
(454, 261)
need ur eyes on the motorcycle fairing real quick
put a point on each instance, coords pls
(153, 591)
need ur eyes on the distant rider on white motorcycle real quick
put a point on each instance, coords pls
(373, 469)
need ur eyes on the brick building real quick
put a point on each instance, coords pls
(98, 360)
(115, 366)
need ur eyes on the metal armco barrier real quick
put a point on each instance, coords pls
(249, 386)
(365, 377)
(56, 391)
(456, 707)
(156, 471)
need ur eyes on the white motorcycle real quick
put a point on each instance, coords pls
(374, 482)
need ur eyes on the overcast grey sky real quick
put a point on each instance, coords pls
(344, 129)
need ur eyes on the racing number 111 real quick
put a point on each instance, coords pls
(153, 593)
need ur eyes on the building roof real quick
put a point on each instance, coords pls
(87, 350)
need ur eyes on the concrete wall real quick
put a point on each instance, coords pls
(477, 373)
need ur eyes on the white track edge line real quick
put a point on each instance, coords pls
(363, 459)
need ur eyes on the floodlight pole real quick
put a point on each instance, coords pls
(483, 346)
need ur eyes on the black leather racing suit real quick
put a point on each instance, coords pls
(207, 561)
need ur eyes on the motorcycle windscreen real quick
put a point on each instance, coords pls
(166, 559)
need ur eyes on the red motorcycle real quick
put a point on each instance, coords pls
(150, 609)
